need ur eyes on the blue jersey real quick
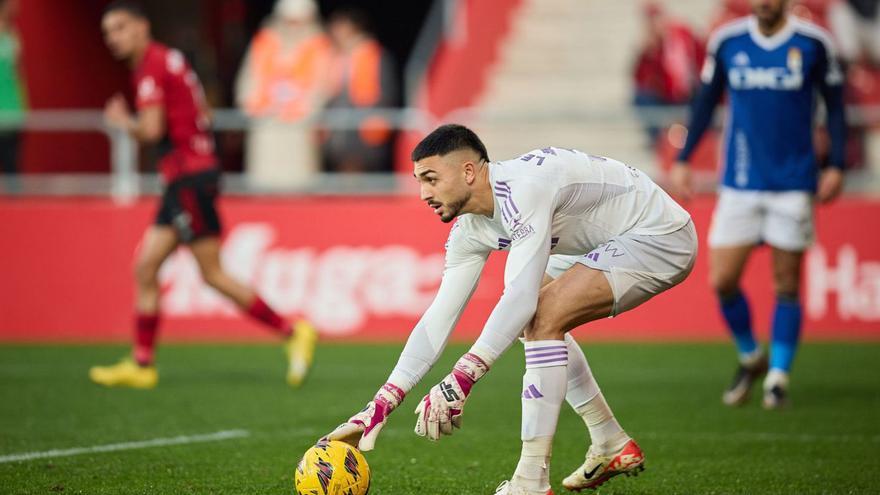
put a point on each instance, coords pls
(772, 83)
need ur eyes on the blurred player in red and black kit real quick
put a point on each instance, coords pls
(170, 100)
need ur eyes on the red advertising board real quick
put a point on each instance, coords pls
(365, 269)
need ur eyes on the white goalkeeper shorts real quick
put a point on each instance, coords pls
(782, 219)
(638, 267)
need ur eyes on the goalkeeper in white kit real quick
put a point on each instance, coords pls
(589, 238)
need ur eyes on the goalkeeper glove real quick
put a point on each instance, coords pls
(362, 429)
(440, 411)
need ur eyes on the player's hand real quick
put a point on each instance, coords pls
(830, 184)
(362, 429)
(441, 409)
(440, 412)
(116, 113)
(682, 183)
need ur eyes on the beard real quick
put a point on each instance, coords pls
(770, 17)
(453, 208)
(120, 55)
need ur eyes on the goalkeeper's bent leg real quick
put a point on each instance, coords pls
(544, 385)
(585, 397)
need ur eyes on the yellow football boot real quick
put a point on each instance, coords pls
(300, 350)
(125, 373)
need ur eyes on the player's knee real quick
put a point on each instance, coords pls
(543, 328)
(145, 272)
(787, 287)
(788, 297)
(724, 283)
(213, 277)
(545, 325)
(787, 283)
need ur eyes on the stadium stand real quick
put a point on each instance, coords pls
(551, 49)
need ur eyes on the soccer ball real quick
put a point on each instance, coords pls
(332, 468)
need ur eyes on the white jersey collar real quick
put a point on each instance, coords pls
(496, 202)
(771, 42)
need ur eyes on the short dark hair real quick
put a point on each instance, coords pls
(354, 15)
(131, 7)
(448, 138)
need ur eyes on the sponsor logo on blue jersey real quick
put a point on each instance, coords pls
(790, 78)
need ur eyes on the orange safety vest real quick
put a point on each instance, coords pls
(286, 81)
(359, 74)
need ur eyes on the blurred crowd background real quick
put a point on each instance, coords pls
(310, 89)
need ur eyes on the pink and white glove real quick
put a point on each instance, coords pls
(362, 429)
(440, 411)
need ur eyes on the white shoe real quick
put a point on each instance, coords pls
(747, 373)
(508, 488)
(599, 468)
(775, 390)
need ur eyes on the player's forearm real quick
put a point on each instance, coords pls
(419, 356)
(523, 275)
(431, 333)
(701, 117)
(138, 131)
(496, 337)
(147, 126)
(143, 132)
(513, 312)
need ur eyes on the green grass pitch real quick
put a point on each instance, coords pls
(667, 396)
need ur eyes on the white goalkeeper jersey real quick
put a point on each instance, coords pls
(548, 201)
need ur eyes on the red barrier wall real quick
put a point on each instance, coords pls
(365, 269)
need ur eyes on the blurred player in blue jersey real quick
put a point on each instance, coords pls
(772, 65)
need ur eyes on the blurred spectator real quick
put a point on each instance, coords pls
(281, 83)
(667, 69)
(856, 26)
(362, 77)
(815, 11)
(12, 95)
(730, 10)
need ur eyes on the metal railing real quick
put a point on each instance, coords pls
(125, 182)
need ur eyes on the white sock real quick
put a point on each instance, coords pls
(533, 470)
(585, 397)
(750, 358)
(544, 385)
(581, 385)
(775, 377)
(606, 433)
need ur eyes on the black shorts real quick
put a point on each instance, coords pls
(189, 206)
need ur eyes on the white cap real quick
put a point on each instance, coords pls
(295, 9)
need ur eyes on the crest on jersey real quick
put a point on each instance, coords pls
(175, 61)
(147, 88)
(741, 59)
(795, 61)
